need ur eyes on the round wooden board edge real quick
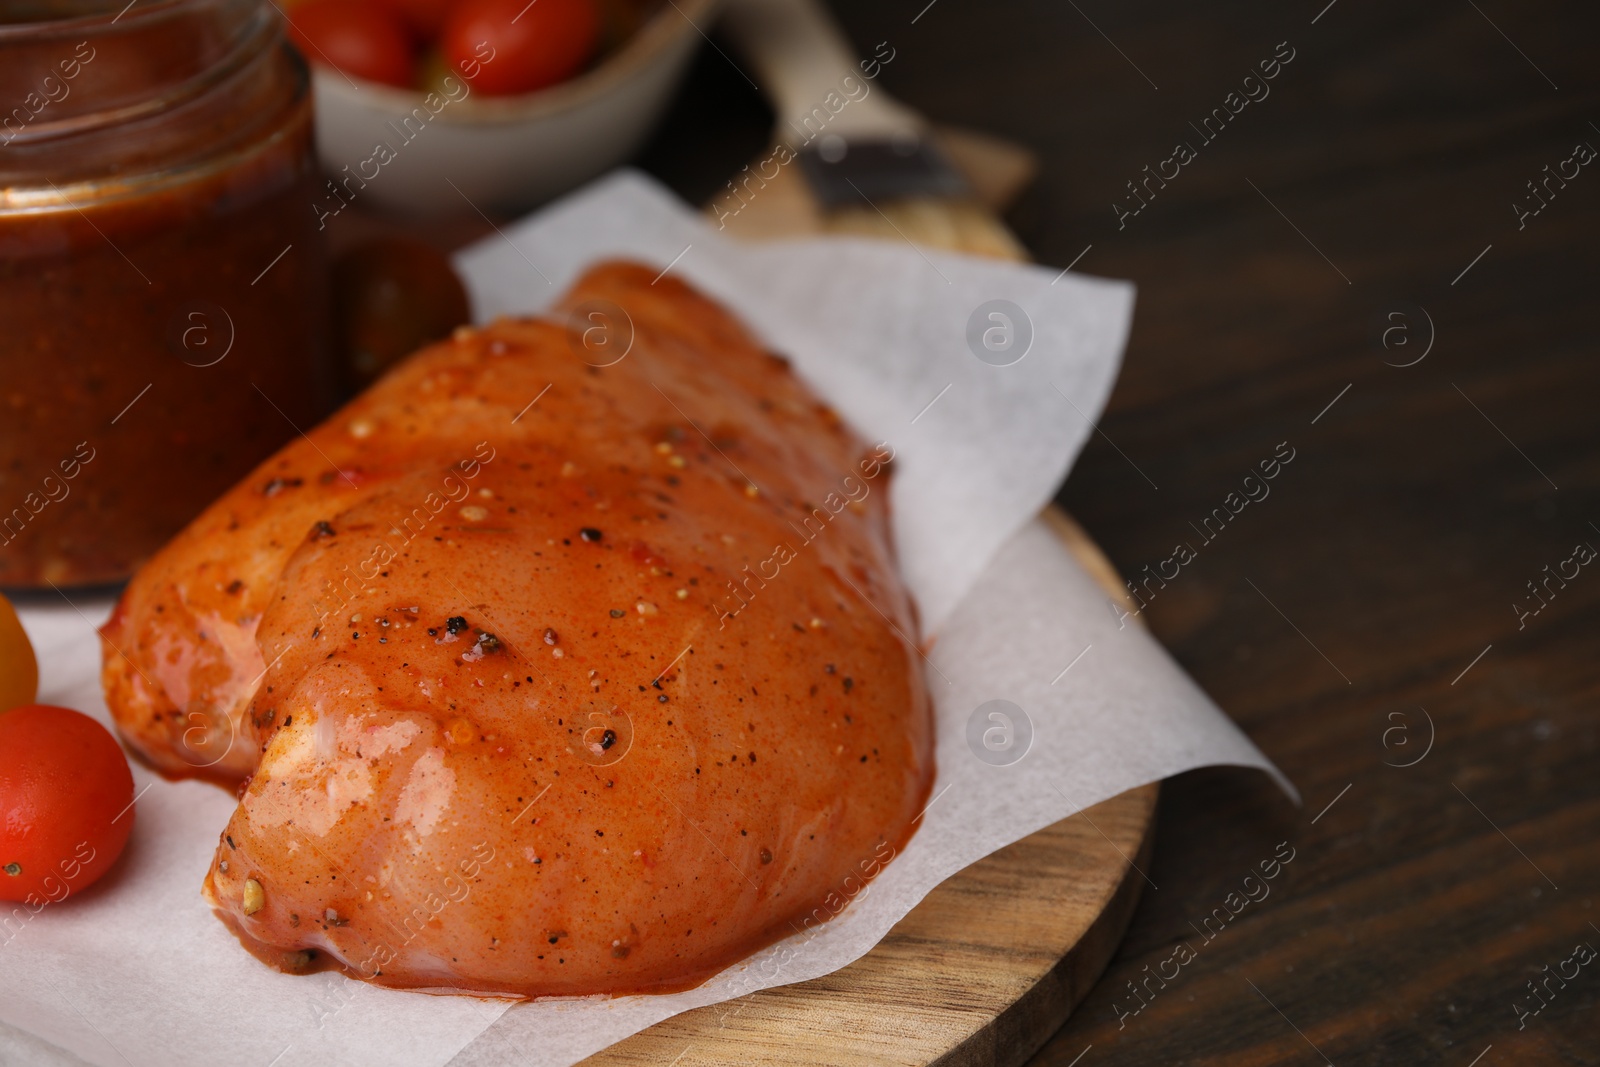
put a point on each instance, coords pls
(1038, 922)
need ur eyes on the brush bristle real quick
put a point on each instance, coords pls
(861, 172)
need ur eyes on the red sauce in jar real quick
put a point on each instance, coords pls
(163, 284)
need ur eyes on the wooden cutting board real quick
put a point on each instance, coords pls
(991, 962)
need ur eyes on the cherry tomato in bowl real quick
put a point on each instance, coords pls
(514, 46)
(363, 38)
(19, 671)
(424, 18)
(66, 799)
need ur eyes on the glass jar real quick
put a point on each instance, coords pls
(163, 283)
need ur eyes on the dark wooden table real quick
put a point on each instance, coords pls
(1370, 603)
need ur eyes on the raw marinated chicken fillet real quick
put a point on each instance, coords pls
(542, 677)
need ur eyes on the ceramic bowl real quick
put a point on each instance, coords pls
(433, 155)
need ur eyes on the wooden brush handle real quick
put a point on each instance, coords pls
(806, 65)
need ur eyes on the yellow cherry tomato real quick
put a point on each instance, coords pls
(19, 671)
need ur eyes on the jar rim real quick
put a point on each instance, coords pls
(179, 137)
(248, 28)
(110, 15)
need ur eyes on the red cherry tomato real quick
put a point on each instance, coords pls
(513, 46)
(65, 791)
(363, 38)
(424, 18)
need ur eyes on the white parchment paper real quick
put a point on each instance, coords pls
(137, 971)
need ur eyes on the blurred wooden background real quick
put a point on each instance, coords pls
(1386, 157)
